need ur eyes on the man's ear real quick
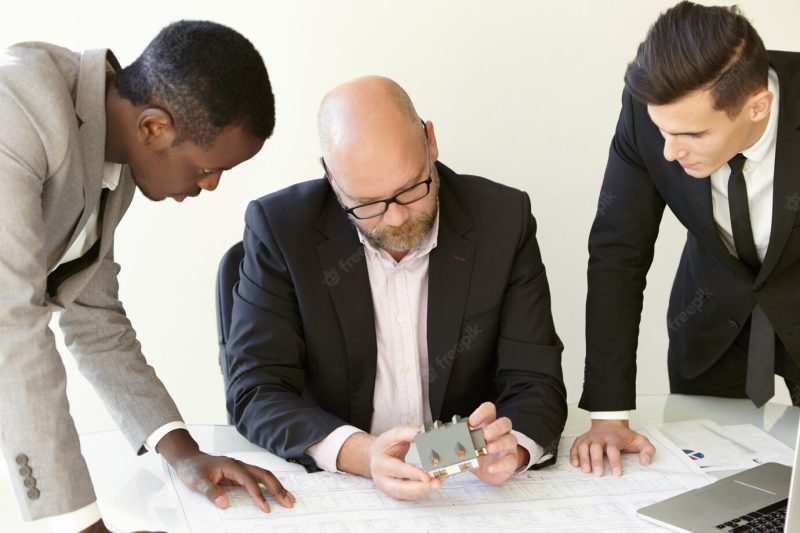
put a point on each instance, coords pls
(156, 128)
(432, 145)
(759, 104)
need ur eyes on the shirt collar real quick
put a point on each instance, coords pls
(422, 250)
(758, 152)
(111, 174)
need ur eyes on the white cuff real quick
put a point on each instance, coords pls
(535, 452)
(610, 415)
(326, 451)
(158, 434)
(76, 520)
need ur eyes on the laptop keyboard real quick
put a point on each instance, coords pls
(769, 519)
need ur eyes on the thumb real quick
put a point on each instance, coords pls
(215, 494)
(404, 434)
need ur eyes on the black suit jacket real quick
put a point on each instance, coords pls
(713, 293)
(302, 349)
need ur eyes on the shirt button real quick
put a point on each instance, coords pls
(400, 318)
(732, 323)
(33, 494)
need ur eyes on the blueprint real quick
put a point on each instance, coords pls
(558, 498)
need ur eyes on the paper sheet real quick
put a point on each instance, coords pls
(558, 498)
(715, 448)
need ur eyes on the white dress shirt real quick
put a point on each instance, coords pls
(89, 514)
(759, 176)
(400, 301)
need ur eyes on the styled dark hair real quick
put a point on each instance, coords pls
(207, 76)
(692, 47)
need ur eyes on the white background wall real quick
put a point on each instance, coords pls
(523, 92)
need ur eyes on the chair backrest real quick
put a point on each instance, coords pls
(227, 277)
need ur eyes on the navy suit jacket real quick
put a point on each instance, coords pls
(713, 293)
(302, 349)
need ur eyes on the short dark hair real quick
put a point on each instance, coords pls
(692, 47)
(207, 76)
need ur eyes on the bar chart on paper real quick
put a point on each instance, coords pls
(558, 498)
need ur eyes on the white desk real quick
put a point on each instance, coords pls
(132, 491)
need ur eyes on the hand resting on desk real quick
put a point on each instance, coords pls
(609, 437)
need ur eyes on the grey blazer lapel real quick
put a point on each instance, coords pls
(449, 277)
(90, 113)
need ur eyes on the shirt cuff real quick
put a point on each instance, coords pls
(76, 520)
(535, 452)
(158, 434)
(326, 451)
(610, 415)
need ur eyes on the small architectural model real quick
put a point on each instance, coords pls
(449, 448)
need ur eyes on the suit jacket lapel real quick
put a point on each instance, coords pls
(449, 276)
(345, 273)
(90, 113)
(787, 168)
(698, 192)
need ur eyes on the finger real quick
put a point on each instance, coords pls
(497, 429)
(398, 434)
(506, 443)
(392, 467)
(214, 493)
(506, 464)
(236, 472)
(484, 414)
(573, 453)
(586, 462)
(404, 489)
(645, 447)
(272, 484)
(597, 451)
(614, 460)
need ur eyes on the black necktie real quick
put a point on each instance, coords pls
(760, 385)
(740, 215)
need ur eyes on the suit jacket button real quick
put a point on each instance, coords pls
(33, 494)
(732, 323)
(29, 482)
(22, 459)
(25, 471)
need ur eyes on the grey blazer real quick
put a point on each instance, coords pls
(52, 145)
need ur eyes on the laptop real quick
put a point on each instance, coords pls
(761, 499)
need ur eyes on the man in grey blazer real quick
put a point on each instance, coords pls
(79, 136)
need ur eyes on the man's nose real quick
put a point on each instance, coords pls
(210, 183)
(396, 215)
(673, 149)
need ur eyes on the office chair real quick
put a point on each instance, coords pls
(227, 276)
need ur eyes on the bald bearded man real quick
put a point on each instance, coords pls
(390, 293)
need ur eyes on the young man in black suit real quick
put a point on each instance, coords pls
(393, 293)
(709, 127)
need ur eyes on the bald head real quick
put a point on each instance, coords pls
(366, 113)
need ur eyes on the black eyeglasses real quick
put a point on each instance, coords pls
(415, 193)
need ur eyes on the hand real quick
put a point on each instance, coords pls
(388, 469)
(206, 474)
(504, 453)
(100, 527)
(382, 459)
(609, 437)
